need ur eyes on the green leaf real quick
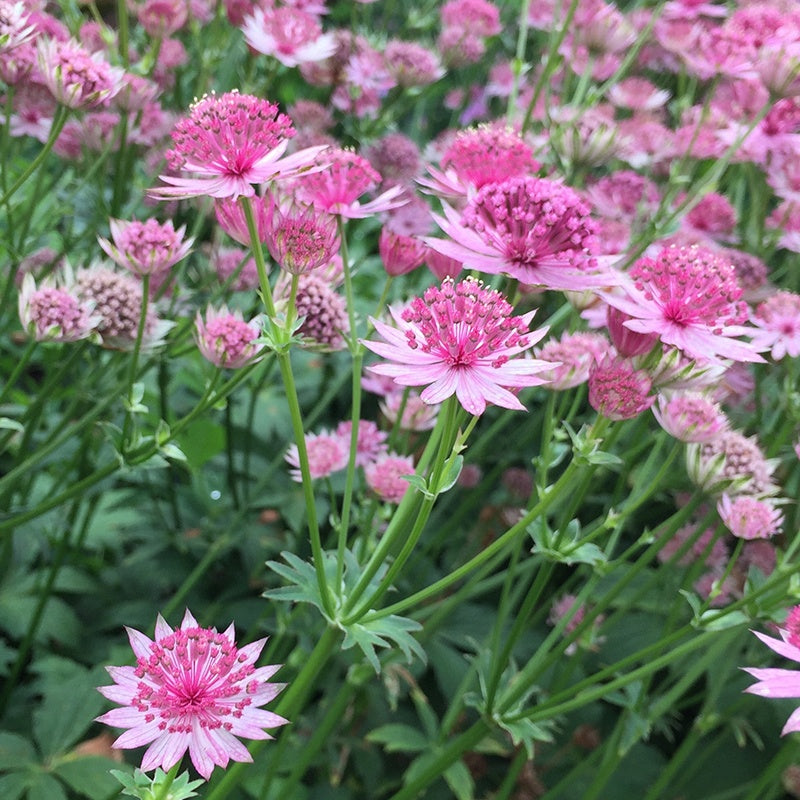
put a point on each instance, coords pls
(11, 424)
(201, 441)
(89, 776)
(67, 711)
(712, 621)
(420, 484)
(16, 752)
(399, 738)
(452, 470)
(13, 786)
(45, 787)
(379, 633)
(460, 781)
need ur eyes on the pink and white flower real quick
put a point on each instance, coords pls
(191, 689)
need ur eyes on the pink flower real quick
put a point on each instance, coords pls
(232, 142)
(327, 453)
(323, 309)
(689, 296)
(690, 417)
(301, 238)
(781, 682)
(339, 183)
(77, 78)
(230, 216)
(146, 248)
(385, 476)
(478, 156)
(617, 390)
(225, 339)
(400, 254)
(290, 35)
(53, 312)
(191, 689)
(14, 27)
(749, 518)
(570, 358)
(460, 339)
(533, 229)
(777, 320)
(226, 260)
(416, 414)
(371, 440)
(411, 64)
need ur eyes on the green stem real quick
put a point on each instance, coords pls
(22, 362)
(122, 29)
(258, 255)
(518, 64)
(163, 789)
(134, 363)
(62, 112)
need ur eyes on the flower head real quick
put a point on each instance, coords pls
(231, 142)
(749, 518)
(191, 689)
(324, 311)
(337, 188)
(781, 682)
(690, 417)
(536, 230)
(54, 312)
(386, 476)
(617, 390)
(371, 440)
(690, 297)
(301, 238)
(14, 27)
(225, 339)
(460, 339)
(327, 453)
(777, 321)
(77, 78)
(146, 248)
(291, 35)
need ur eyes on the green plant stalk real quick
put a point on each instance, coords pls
(517, 65)
(134, 362)
(399, 522)
(122, 29)
(496, 546)
(512, 774)
(449, 416)
(22, 362)
(448, 755)
(357, 353)
(163, 789)
(290, 704)
(668, 774)
(61, 114)
(285, 365)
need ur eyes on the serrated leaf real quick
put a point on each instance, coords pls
(379, 632)
(524, 732)
(89, 776)
(16, 752)
(67, 711)
(395, 737)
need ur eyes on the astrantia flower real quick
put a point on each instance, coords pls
(290, 35)
(371, 440)
(460, 339)
(327, 453)
(231, 142)
(417, 415)
(301, 238)
(617, 390)
(690, 417)
(570, 358)
(337, 187)
(781, 682)
(14, 27)
(54, 312)
(225, 339)
(690, 297)
(191, 689)
(77, 78)
(778, 325)
(533, 229)
(146, 248)
(230, 216)
(386, 476)
(749, 518)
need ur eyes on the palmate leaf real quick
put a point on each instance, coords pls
(390, 631)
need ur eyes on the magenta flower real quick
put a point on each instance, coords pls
(191, 689)
(781, 682)
(232, 142)
(532, 229)
(54, 312)
(690, 298)
(617, 390)
(337, 187)
(460, 339)
(225, 339)
(300, 238)
(146, 248)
